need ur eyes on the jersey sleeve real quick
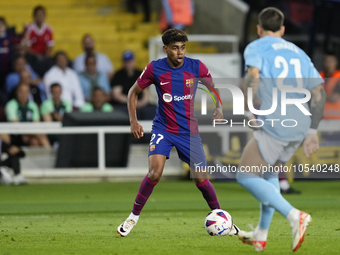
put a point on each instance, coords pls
(204, 73)
(146, 78)
(252, 56)
(314, 78)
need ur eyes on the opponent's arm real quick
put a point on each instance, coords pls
(136, 128)
(311, 142)
(251, 80)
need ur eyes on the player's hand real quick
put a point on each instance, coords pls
(137, 130)
(254, 123)
(218, 114)
(310, 144)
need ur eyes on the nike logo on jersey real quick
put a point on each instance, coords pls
(163, 83)
(196, 165)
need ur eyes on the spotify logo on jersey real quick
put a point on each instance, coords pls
(167, 97)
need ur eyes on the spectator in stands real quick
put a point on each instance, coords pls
(20, 109)
(91, 78)
(176, 14)
(67, 78)
(53, 109)
(14, 153)
(104, 64)
(331, 86)
(39, 41)
(98, 102)
(6, 53)
(24, 73)
(122, 82)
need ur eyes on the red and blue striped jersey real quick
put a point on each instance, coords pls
(176, 89)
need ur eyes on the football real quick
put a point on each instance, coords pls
(218, 223)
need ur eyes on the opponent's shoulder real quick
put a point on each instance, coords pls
(254, 45)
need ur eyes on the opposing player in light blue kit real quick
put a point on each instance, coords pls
(272, 62)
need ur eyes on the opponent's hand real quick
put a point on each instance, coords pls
(218, 113)
(253, 122)
(310, 144)
(137, 130)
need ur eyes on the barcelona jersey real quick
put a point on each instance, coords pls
(176, 89)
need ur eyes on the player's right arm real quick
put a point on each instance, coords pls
(311, 142)
(136, 128)
(143, 81)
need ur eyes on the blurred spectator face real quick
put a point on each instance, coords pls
(88, 44)
(98, 98)
(3, 27)
(56, 93)
(22, 94)
(25, 77)
(330, 63)
(129, 65)
(91, 66)
(39, 17)
(20, 65)
(61, 61)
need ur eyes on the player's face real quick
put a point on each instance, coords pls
(175, 52)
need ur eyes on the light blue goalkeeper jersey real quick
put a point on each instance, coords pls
(282, 65)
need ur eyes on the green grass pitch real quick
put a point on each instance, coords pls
(82, 219)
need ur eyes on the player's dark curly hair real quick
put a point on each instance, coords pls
(174, 35)
(271, 19)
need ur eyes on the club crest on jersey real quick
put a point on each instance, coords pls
(153, 147)
(167, 97)
(189, 82)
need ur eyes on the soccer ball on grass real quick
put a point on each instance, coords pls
(218, 223)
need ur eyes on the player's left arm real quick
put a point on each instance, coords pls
(205, 78)
(311, 142)
(218, 111)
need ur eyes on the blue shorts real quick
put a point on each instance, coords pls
(189, 147)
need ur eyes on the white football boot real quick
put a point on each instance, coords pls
(125, 228)
(299, 230)
(249, 238)
(234, 231)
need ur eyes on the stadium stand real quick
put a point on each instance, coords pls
(113, 28)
